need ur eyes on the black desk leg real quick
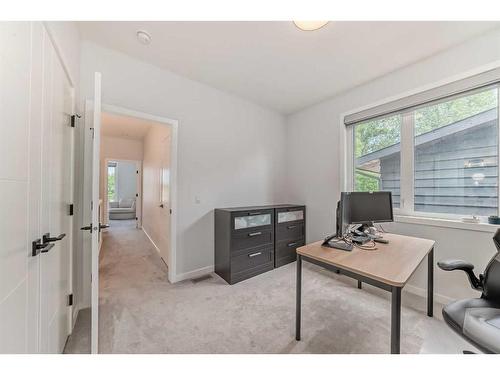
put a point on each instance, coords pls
(299, 297)
(359, 284)
(395, 320)
(430, 283)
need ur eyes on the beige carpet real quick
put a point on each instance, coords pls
(142, 313)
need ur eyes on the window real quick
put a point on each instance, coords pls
(449, 149)
(164, 185)
(456, 156)
(112, 194)
(377, 156)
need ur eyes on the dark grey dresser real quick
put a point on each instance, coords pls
(253, 240)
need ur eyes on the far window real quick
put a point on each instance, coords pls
(112, 195)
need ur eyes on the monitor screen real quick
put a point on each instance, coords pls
(370, 207)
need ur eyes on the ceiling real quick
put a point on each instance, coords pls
(277, 65)
(113, 125)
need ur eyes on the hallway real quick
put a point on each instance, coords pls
(129, 270)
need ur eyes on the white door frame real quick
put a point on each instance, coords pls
(138, 206)
(172, 267)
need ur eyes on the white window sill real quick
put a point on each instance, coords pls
(446, 223)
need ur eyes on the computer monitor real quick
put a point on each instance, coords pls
(342, 215)
(370, 207)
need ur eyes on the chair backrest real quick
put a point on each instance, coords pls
(491, 275)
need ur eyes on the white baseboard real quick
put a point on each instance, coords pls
(187, 275)
(193, 274)
(76, 310)
(150, 239)
(411, 289)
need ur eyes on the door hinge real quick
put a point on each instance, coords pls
(136, 218)
(73, 121)
(70, 299)
(136, 194)
(137, 172)
(71, 209)
(170, 211)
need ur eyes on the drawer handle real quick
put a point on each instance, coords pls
(292, 244)
(254, 234)
(291, 227)
(254, 254)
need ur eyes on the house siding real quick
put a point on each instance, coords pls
(456, 173)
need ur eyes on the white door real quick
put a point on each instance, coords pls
(56, 223)
(19, 189)
(92, 213)
(35, 150)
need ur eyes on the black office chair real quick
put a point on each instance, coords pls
(477, 319)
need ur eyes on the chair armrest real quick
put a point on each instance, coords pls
(455, 264)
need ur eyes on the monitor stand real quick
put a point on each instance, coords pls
(336, 243)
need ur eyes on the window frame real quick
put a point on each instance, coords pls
(407, 176)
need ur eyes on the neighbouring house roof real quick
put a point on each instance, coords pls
(483, 118)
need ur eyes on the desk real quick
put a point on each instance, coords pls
(389, 268)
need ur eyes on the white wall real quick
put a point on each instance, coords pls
(313, 154)
(121, 148)
(156, 219)
(230, 151)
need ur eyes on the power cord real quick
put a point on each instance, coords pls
(370, 245)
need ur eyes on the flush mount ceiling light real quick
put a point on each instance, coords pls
(310, 25)
(143, 37)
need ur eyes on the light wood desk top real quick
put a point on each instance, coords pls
(391, 263)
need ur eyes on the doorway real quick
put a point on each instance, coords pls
(163, 196)
(137, 177)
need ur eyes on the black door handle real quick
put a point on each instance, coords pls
(47, 247)
(37, 247)
(46, 237)
(88, 227)
(103, 226)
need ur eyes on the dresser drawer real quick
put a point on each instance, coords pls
(251, 239)
(290, 231)
(286, 251)
(289, 215)
(261, 219)
(262, 257)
